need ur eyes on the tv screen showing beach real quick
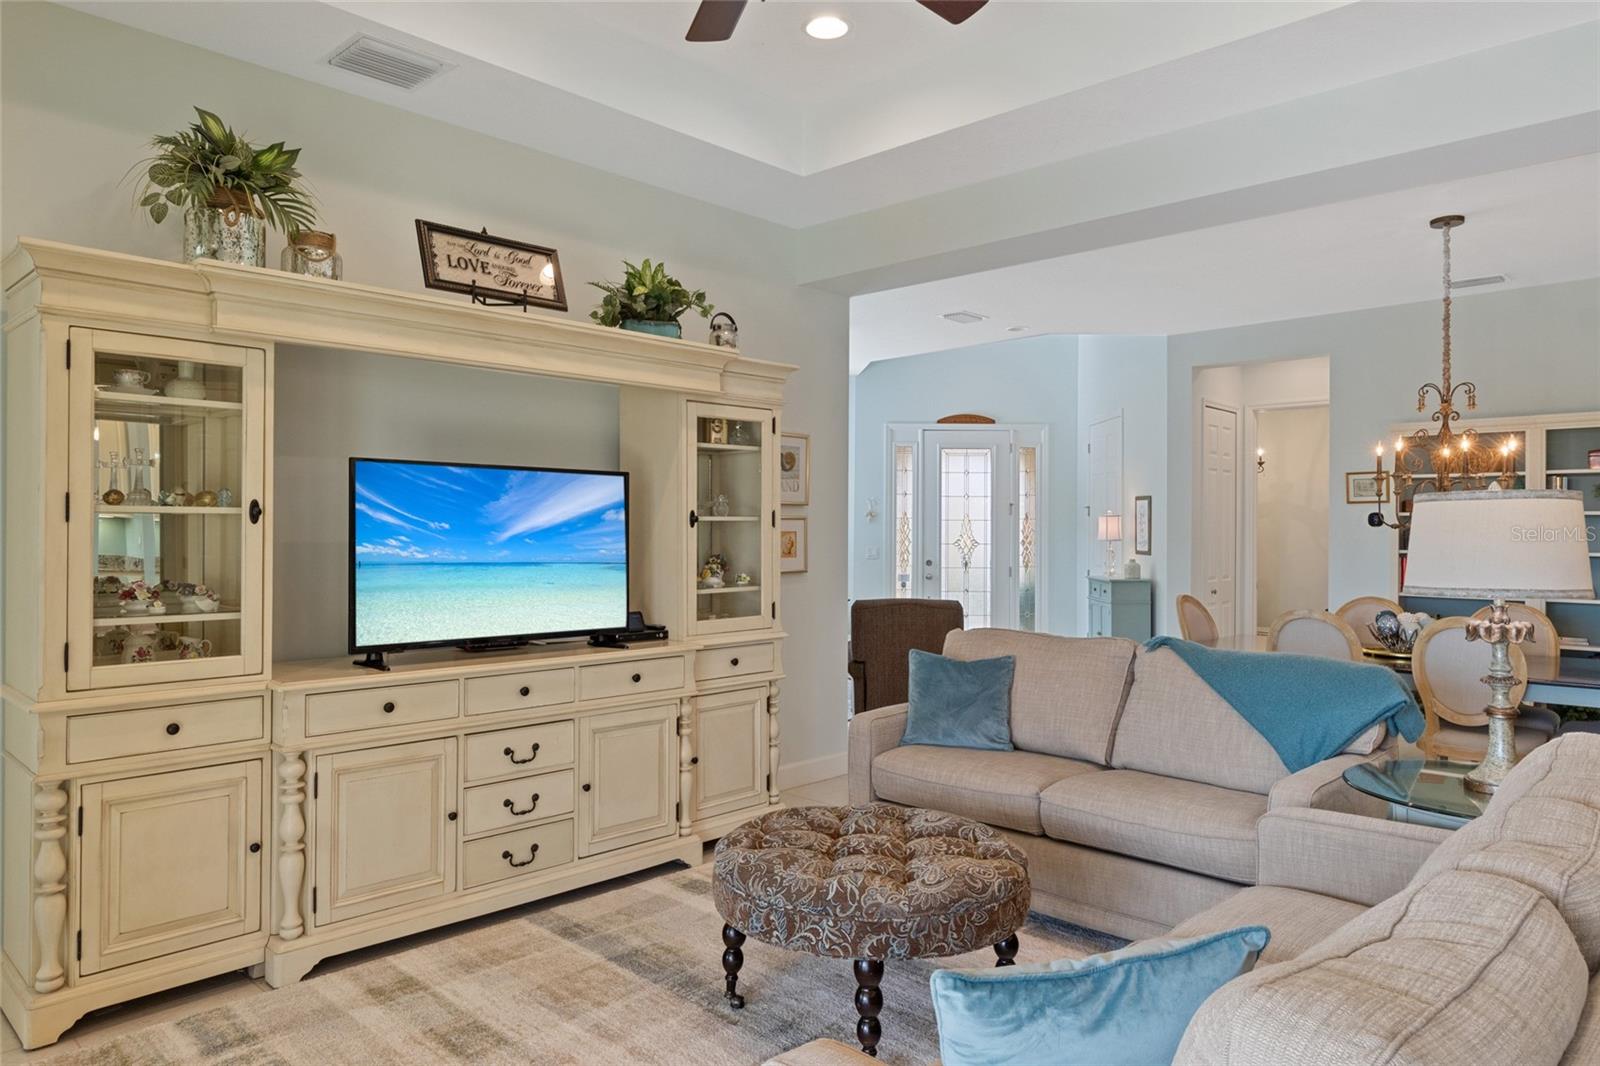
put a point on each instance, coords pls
(446, 554)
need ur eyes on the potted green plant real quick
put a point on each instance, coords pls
(229, 189)
(648, 299)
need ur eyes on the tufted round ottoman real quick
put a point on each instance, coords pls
(868, 883)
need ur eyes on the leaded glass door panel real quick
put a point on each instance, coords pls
(968, 546)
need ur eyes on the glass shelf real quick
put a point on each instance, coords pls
(731, 457)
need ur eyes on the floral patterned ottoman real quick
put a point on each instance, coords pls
(868, 883)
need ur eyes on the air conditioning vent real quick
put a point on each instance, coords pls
(1473, 283)
(965, 318)
(385, 62)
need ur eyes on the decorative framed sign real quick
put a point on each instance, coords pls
(489, 268)
(794, 550)
(1142, 518)
(794, 469)
(1363, 486)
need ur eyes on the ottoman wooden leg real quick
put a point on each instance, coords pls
(732, 959)
(1006, 951)
(869, 1001)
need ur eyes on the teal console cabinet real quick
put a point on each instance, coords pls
(1120, 608)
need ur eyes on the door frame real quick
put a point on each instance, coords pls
(1248, 507)
(1198, 532)
(1023, 434)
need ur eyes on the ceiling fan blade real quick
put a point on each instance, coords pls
(715, 20)
(954, 12)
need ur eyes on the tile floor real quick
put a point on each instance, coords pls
(107, 1024)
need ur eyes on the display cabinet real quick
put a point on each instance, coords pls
(166, 445)
(732, 517)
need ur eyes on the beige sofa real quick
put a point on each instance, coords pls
(1487, 953)
(1138, 794)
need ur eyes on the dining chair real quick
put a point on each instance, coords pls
(1362, 611)
(1195, 622)
(1449, 670)
(1318, 633)
(1543, 653)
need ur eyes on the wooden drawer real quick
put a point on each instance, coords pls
(516, 854)
(625, 679)
(522, 750)
(714, 664)
(369, 708)
(113, 734)
(505, 804)
(1099, 590)
(509, 692)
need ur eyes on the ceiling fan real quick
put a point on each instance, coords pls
(715, 19)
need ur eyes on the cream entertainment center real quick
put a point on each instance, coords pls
(177, 804)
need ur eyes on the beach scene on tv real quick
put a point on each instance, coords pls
(456, 553)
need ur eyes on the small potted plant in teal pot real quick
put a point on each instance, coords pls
(648, 300)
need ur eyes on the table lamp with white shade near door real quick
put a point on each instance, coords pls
(1108, 530)
(1499, 545)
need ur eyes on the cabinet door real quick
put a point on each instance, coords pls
(385, 835)
(626, 784)
(169, 861)
(730, 740)
(166, 530)
(732, 580)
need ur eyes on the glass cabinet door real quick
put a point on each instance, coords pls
(732, 516)
(167, 444)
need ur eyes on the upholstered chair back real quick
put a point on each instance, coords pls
(1360, 613)
(1318, 633)
(1195, 622)
(882, 636)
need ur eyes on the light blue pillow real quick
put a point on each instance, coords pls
(959, 704)
(1123, 1008)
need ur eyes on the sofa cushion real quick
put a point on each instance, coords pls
(1186, 824)
(998, 787)
(1067, 693)
(1298, 920)
(1465, 968)
(1543, 829)
(1585, 1047)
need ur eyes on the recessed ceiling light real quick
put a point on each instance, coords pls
(965, 318)
(827, 27)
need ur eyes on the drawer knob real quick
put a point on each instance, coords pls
(694, 761)
(532, 755)
(523, 691)
(637, 678)
(172, 729)
(388, 708)
(586, 788)
(255, 849)
(451, 816)
(533, 853)
(733, 661)
(510, 805)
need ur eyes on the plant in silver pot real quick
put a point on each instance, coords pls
(648, 299)
(229, 189)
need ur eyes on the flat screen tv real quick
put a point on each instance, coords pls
(465, 554)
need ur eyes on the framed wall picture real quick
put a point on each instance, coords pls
(794, 469)
(1143, 515)
(794, 550)
(490, 268)
(1363, 486)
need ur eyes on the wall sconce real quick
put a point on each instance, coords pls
(1261, 460)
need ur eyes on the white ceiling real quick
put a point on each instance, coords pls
(798, 131)
(1536, 225)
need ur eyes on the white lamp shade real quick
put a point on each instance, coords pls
(1513, 545)
(1109, 527)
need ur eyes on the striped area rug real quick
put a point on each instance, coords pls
(626, 973)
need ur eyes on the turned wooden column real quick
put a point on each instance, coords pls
(686, 766)
(291, 841)
(772, 743)
(49, 883)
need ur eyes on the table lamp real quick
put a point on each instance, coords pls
(1499, 545)
(1109, 530)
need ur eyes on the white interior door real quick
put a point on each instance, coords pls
(968, 519)
(1219, 514)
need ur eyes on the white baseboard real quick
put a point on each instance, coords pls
(822, 768)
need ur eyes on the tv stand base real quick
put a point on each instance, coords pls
(373, 661)
(606, 640)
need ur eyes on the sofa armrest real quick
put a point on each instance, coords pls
(1363, 860)
(871, 734)
(820, 1053)
(1321, 785)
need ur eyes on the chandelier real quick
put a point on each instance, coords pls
(1444, 458)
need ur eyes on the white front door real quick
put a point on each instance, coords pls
(1219, 516)
(969, 524)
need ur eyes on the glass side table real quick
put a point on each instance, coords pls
(1423, 791)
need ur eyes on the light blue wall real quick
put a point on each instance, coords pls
(1029, 380)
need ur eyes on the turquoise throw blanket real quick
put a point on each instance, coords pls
(1308, 709)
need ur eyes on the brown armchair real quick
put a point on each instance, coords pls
(882, 634)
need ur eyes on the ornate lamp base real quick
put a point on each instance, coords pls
(1499, 631)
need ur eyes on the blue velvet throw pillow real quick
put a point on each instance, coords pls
(960, 704)
(1123, 1008)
